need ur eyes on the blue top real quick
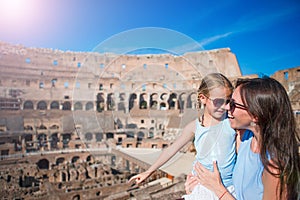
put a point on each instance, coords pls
(216, 143)
(247, 174)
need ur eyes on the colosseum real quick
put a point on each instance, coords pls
(78, 125)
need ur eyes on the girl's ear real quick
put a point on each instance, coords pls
(202, 98)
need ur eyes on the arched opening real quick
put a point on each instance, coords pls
(88, 136)
(42, 105)
(43, 164)
(54, 127)
(66, 105)
(109, 135)
(99, 137)
(100, 102)
(76, 197)
(60, 160)
(132, 99)
(66, 139)
(130, 134)
(140, 136)
(89, 158)
(75, 159)
(143, 101)
(78, 106)
(28, 128)
(172, 101)
(42, 140)
(110, 102)
(28, 105)
(54, 105)
(54, 141)
(163, 106)
(89, 106)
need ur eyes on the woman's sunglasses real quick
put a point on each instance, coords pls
(233, 105)
(218, 102)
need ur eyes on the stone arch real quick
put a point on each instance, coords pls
(60, 160)
(172, 101)
(42, 127)
(99, 137)
(28, 105)
(192, 100)
(28, 137)
(88, 136)
(140, 135)
(76, 197)
(28, 128)
(100, 102)
(78, 106)
(143, 104)
(42, 105)
(109, 135)
(54, 141)
(54, 105)
(130, 134)
(66, 105)
(64, 176)
(54, 127)
(163, 106)
(75, 159)
(43, 164)
(89, 106)
(89, 158)
(182, 101)
(42, 139)
(164, 96)
(66, 137)
(132, 100)
(111, 101)
(154, 101)
(151, 132)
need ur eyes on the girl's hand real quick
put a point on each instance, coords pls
(139, 177)
(190, 183)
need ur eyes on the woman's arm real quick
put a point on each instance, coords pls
(183, 139)
(212, 181)
(271, 185)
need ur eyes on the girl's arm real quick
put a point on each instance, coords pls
(183, 139)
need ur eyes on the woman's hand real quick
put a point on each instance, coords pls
(211, 180)
(190, 183)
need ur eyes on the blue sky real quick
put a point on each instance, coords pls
(264, 35)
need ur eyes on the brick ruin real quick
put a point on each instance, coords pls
(66, 116)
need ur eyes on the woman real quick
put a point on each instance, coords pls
(262, 106)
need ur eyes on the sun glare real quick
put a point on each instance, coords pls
(17, 16)
(12, 8)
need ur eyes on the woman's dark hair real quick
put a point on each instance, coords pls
(268, 102)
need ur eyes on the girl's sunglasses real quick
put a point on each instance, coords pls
(233, 105)
(218, 102)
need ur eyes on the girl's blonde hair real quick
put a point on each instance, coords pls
(212, 81)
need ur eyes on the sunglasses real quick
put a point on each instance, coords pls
(233, 105)
(218, 102)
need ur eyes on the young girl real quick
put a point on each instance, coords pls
(214, 138)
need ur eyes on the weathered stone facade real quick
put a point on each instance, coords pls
(62, 115)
